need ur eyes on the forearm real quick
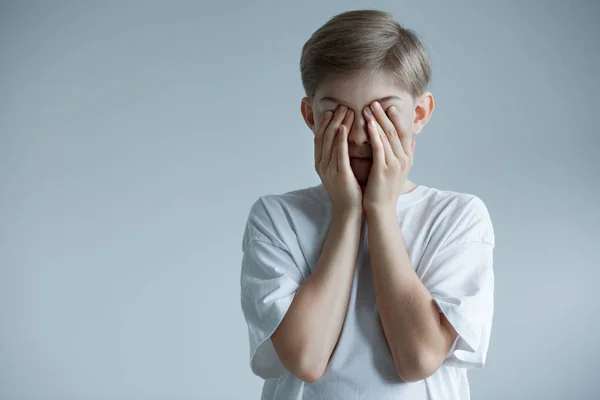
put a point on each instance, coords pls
(315, 318)
(409, 316)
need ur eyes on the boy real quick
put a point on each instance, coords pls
(367, 286)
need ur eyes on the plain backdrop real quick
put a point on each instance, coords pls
(135, 136)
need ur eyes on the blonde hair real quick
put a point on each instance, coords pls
(362, 41)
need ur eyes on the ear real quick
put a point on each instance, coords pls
(307, 113)
(424, 107)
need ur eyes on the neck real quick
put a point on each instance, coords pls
(408, 187)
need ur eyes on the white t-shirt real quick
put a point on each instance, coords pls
(450, 240)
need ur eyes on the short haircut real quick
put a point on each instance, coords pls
(363, 41)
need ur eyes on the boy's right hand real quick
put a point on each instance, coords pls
(332, 161)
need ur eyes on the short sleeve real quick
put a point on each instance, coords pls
(269, 281)
(460, 279)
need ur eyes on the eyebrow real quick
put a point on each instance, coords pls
(381, 100)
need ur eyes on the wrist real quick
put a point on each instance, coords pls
(350, 215)
(378, 211)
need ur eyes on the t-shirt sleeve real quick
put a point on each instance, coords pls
(460, 279)
(269, 281)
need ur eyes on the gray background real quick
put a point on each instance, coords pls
(134, 137)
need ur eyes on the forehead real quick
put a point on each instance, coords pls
(360, 89)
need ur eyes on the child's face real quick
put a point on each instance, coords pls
(358, 92)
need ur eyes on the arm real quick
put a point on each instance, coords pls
(419, 335)
(306, 337)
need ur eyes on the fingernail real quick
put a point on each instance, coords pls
(343, 109)
(368, 112)
(393, 109)
(376, 105)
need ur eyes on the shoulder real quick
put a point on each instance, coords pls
(463, 216)
(271, 216)
(299, 199)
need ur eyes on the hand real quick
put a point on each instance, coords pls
(332, 161)
(393, 149)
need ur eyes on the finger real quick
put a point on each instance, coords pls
(376, 144)
(319, 136)
(387, 151)
(348, 119)
(345, 164)
(387, 147)
(330, 133)
(343, 161)
(344, 158)
(335, 148)
(390, 129)
(405, 137)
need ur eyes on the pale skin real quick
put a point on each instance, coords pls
(419, 336)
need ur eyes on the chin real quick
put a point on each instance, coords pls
(361, 175)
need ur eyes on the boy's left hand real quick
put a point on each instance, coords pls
(393, 150)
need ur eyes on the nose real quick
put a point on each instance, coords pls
(358, 132)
